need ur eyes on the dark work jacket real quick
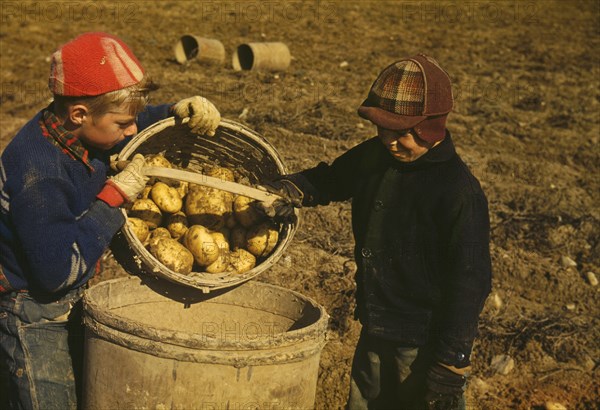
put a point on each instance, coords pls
(421, 233)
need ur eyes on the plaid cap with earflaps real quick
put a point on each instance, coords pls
(400, 89)
(413, 93)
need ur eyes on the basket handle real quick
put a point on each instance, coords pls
(204, 180)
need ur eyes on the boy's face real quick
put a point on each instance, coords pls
(105, 131)
(403, 145)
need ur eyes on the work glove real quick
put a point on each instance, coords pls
(281, 209)
(444, 387)
(204, 116)
(131, 181)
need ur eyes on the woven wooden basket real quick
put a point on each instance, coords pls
(234, 146)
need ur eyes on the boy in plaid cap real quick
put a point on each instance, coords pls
(58, 210)
(421, 229)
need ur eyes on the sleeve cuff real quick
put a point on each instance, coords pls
(457, 355)
(111, 195)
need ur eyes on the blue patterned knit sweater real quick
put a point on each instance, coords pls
(53, 230)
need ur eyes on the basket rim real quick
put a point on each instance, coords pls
(161, 125)
(208, 281)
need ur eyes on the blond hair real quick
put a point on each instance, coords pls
(135, 96)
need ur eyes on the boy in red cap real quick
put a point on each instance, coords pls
(58, 210)
(421, 229)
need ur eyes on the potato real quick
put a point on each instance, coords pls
(220, 265)
(166, 198)
(173, 255)
(146, 210)
(228, 198)
(146, 192)
(139, 228)
(158, 234)
(261, 239)
(161, 232)
(226, 175)
(200, 188)
(182, 188)
(221, 241)
(205, 190)
(222, 173)
(157, 160)
(238, 237)
(213, 192)
(241, 260)
(202, 245)
(177, 224)
(222, 262)
(244, 212)
(206, 208)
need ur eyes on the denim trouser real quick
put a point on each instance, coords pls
(389, 376)
(41, 351)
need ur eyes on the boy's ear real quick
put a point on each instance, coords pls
(77, 113)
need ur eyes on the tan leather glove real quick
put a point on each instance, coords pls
(131, 181)
(204, 116)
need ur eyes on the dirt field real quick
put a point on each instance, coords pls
(526, 120)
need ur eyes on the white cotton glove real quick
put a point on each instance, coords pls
(204, 116)
(131, 181)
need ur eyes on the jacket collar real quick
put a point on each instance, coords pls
(440, 153)
(53, 130)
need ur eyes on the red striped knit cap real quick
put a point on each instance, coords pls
(93, 64)
(413, 93)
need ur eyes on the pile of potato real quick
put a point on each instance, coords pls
(190, 227)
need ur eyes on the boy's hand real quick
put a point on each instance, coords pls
(444, 387)
(204, 116)
(131, 181)
(282, 209)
